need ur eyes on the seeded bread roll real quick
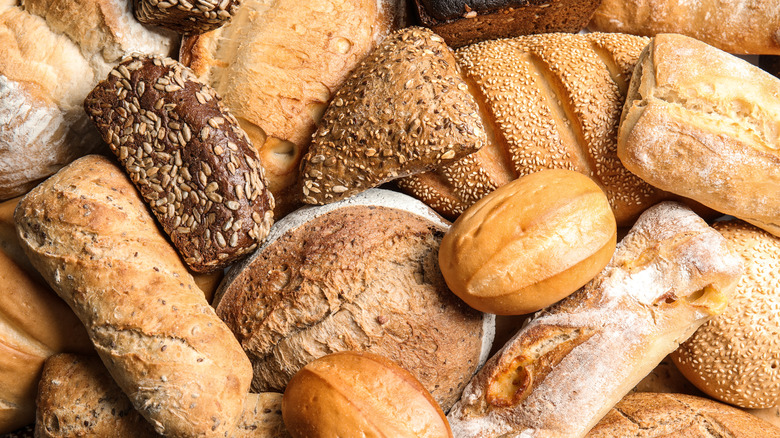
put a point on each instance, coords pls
(191, 161)
(571, 363)
(462, 22)
(545, 108)
(366, 139)
(704, 124)
(184, 16)
(77, 397)
(736, 26)
(91, 236)
(359, 274)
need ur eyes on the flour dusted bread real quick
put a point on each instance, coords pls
(704, 124)
(91, 236)
(359, 274)
(278, 63)
(736, 26)
(572, 362)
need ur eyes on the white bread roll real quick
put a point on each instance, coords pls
(90, 235)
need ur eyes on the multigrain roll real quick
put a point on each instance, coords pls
(188, 156)
(91, 236)
(184, 16)
(734, 357)
(545, 108)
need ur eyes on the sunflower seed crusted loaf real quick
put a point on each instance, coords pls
(189, 158)
(185, 16)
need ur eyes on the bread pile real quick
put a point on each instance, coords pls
(613, 200)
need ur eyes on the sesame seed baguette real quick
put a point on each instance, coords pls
(189, 158)
(184, 16)
(549, 101)
(572, 362)
(77, 397)
(91, 236)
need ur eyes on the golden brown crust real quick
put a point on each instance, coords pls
(739, 26)
(91, 236)
(701, 123)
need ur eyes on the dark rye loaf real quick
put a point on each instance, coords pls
(359, 274)
(188, 157)
(184, 16)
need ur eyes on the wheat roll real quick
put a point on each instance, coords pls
(90, 235)
(530, 243)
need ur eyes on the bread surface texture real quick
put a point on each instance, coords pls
(704, 124)
(736, 26)
(544, 109)
(572, 362)
(91, 236)
(185, 17)
(360, 274)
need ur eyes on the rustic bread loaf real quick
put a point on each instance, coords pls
(704, 124)
(645, 415)
(189, 158)
(359, 274)
(463, 22)
(91, 236)
(277, 64)
(78, 397)
(52, 53)
(733, 357)
(365, 139)
(545, 109)
(572, 362)
(184, 16)
(737, 26)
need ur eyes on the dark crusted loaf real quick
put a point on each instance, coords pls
(462, 22)
(188, 156)
(186, 16)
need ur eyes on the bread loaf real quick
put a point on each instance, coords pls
(545, 108)
(679, 415)
(704, 124)
(463, 22)
(189, 158)
(185, 17)
(91, 236)
(359, 274)
(278, 63)
(737, 26)
(572, 362)
(366, 139)
(77, 397)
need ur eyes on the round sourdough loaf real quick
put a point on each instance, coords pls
(359, 274)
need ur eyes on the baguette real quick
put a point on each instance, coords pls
(90, 235)
(571, 363)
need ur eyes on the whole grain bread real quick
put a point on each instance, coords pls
(184, 16)
(189, 158)
(90, 235)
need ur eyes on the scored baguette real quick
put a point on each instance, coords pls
(90, 235)
(571, 363)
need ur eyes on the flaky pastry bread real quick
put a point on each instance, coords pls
(571, 363)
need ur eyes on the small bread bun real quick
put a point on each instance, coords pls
(530, 243)
(647, 414)
(360, 394)
(734, 357)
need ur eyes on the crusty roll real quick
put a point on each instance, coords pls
(90, 235)
(359, 274)
(734, 357)
(545, 109)
(530, 243)
(704, 124)
(77, 397)
(366, 139)
(188, 156)
(352, 394)
(736, 26)
(277, 63)
(646, 415)
(572, 362)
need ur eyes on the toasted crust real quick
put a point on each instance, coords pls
(701, 123)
